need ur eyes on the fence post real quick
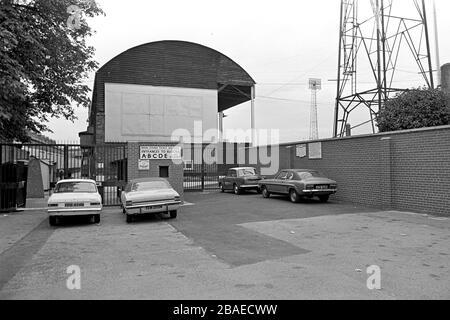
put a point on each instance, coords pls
(66, 161)
(203, 167)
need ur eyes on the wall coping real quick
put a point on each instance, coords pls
(380, 135)
(286, 144)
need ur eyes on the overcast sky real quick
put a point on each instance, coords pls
(279, 43)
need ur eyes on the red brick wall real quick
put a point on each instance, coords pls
(356, 164)
(421, 171)
(406, 170)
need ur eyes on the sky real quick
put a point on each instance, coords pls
(281, 44)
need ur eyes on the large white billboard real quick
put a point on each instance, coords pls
(150, 113)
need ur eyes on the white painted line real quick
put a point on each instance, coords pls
(439, 219)
(186, 204)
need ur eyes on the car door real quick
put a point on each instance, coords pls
(282, 184)
(277, 184)
(229, 179)
(270, 183)
(288, 182)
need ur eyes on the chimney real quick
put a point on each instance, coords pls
(445, 77)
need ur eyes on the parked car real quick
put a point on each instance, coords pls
(74, 197)
(149, 195)
(299, 183)
(240, 179)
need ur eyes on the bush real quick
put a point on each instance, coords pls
(417, 108)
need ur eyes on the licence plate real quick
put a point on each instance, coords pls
(76, 204)
(322, 187)
(153, 207)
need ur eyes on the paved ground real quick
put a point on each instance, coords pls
(229, 247)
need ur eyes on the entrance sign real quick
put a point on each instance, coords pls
(160, 152)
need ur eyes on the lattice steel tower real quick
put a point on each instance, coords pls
(377, 47)
(314, 85)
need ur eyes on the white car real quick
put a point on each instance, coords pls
(149, 195)
(74, 197)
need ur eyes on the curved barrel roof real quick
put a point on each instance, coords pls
(176, 64)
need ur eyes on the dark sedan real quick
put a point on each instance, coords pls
(299, 183)
(239, 180)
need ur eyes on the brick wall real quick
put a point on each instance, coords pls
(175, 170)
(406, 170)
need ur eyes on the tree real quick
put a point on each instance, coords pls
(44, 59)
(417, 108)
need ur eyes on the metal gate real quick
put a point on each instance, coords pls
(109, 167)
(32, 170)
(200, 173)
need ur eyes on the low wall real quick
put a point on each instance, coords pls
(406, 170)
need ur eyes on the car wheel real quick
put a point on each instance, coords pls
(129, 218)
(236, 189)
(173, 214)
(52, 221)
(293, 195)
(97, 218)
(324, 199)
(221, 188)
(265, 192)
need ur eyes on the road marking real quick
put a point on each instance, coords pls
(186, 204)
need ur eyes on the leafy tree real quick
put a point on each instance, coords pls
(44, 59)
(417, 108)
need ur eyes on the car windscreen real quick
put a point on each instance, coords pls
(247, 172)
(75, 187)
(310, 174)
(149, 185)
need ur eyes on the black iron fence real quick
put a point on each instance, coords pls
(13, 185)
(110, 169)
(199, 173)
(205, 164)
(30, 171)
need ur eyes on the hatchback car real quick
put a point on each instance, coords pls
(299, 183)
(74, 197)
(149, 195)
